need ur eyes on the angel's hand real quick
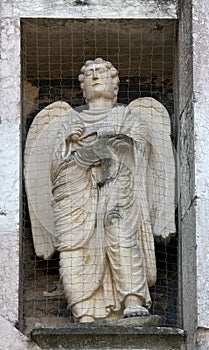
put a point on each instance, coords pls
(120, 142)
(77, 132)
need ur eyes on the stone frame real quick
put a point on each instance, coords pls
(193, 147)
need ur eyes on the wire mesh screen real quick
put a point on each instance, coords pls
(53, 52)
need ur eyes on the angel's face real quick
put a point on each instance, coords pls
(98, 83)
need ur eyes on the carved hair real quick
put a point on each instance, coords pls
(107, 65)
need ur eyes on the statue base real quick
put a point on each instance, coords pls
(143, 321)
(128, 333)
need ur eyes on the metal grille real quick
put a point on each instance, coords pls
(53, 51)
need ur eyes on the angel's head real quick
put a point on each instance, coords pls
(99, 80)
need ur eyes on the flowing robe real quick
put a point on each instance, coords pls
(101, 212)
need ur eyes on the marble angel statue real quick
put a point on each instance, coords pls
(100, 185)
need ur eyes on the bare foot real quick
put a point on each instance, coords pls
(84, 319)
(135, 310)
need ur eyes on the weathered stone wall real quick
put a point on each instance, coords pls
(10, 337)
(187, 215)
(194, 153)
(89, 8)
(9, 158)
(201, 112)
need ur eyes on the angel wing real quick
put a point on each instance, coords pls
(38, 154)
(161, 166)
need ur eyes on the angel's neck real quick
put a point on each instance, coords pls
(99, 105)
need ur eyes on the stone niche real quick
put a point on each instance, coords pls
(53, 52)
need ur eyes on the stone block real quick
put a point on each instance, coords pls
(90, 336)
(202, 256)
(10, 71)
(92, 9)
(9, 220)
(5, 8)
(188, 274)
(202, 339)
(12, 339)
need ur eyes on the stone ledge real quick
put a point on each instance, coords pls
(104, 336)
